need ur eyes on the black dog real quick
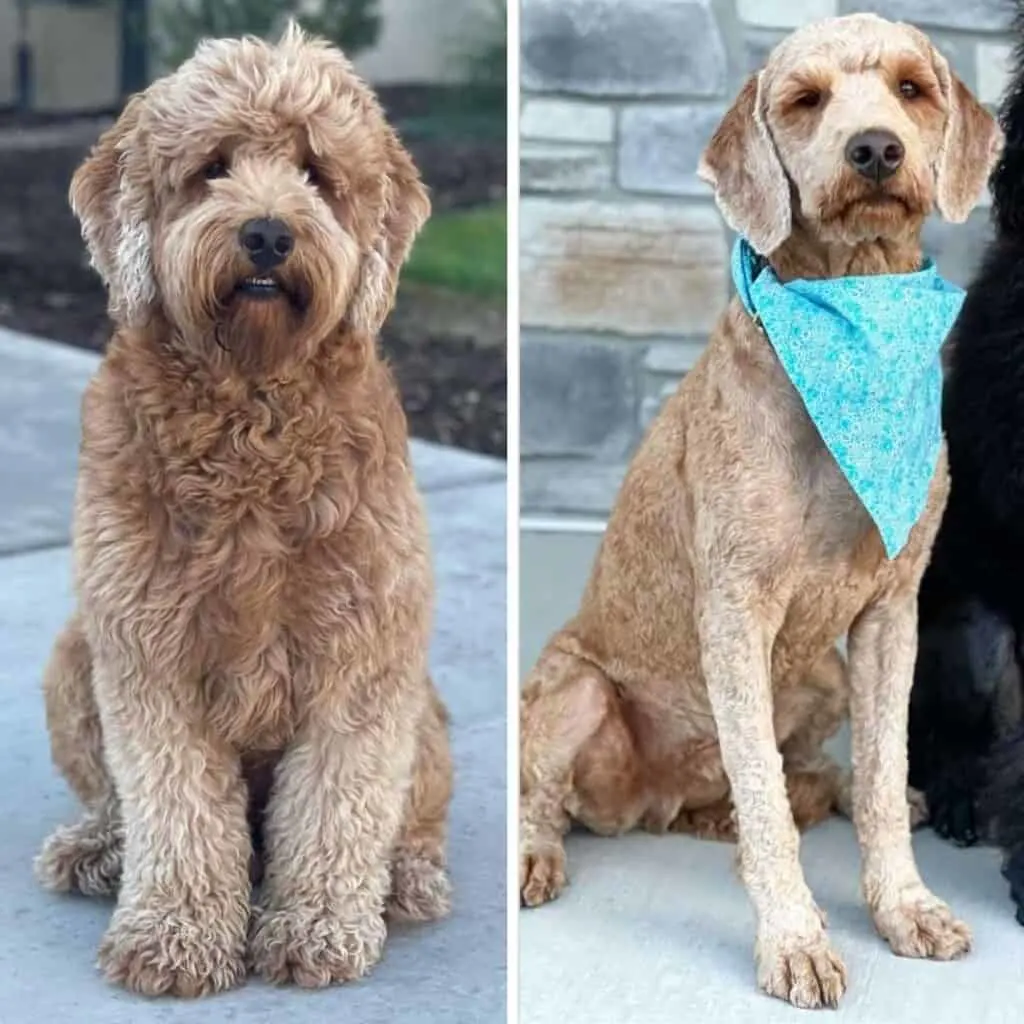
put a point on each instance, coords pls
(966, 747)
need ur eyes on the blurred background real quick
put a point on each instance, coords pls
(67, 66)
(624, 258)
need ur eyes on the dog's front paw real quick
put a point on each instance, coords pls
(420, 889)
(157, 952)
(542, 875)
(922, 926)
(313, 947)
(805, 971)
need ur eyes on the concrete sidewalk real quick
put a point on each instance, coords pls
(448, 973)
(658, 929)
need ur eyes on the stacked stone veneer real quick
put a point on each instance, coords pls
(624, 257)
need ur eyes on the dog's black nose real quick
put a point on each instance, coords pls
(875, 154)
(266, 242)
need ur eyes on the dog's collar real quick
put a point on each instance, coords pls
(863, 353)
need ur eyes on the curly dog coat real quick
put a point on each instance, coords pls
(252, 567)
(700, 672)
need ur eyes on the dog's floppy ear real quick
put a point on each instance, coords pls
(406, 209)
(971, 144)
(113, 206)
(743, 167)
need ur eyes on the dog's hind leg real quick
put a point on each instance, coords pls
(805, 717)
(420, 887)
(576, 754)
(86, 856)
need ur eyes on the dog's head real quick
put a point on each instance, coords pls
(256, 197)
(857, 127)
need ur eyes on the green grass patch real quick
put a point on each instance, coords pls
(463, 251)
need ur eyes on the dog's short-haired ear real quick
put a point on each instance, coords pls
(113, 207)
(971, 144)
(406, 209)
(742, 166)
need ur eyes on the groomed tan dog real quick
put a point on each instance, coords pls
(254, 585)
(700, 671)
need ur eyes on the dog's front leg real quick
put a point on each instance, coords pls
(794, 959)
(180, 923)
(882, 649)
(332, 820)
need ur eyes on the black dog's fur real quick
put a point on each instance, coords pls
(966, 747)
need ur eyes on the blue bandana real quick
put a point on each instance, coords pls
(863, 354)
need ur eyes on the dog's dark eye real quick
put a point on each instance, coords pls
(215, 169)
(909, 90)
(808, 100)
(312, 174)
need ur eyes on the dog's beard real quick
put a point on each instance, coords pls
(852, 210)
(260, 330)
(260, 334)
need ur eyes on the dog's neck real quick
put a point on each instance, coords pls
(804, 255)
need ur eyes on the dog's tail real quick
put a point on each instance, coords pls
(1007, 182)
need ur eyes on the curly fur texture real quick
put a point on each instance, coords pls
(967, 698)
(249, 655)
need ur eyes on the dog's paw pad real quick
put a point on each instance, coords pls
(420, 890)
(924, 929)
(808, 974)
(542, 876)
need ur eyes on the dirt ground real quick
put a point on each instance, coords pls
(447, 351)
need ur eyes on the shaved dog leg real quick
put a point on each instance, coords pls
(794, 959)
(564, 703)
(883, 645)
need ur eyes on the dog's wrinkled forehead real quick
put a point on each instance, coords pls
(848, 45)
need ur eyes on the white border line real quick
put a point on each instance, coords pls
(512, 529)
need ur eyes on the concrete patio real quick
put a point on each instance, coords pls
(658, 930)
(452, 972)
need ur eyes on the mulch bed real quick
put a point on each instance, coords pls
(452, 377)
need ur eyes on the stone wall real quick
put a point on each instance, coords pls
(623, 255)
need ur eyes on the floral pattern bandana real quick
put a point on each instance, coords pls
(864, 355)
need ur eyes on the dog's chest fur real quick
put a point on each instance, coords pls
(247, 533)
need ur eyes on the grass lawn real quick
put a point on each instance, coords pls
(462, 251)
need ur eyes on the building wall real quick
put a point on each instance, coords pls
(624, 258)
(77, 48)
(77, 54)
(425, 40)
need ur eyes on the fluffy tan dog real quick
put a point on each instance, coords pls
(700, 673)
(253, 578)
